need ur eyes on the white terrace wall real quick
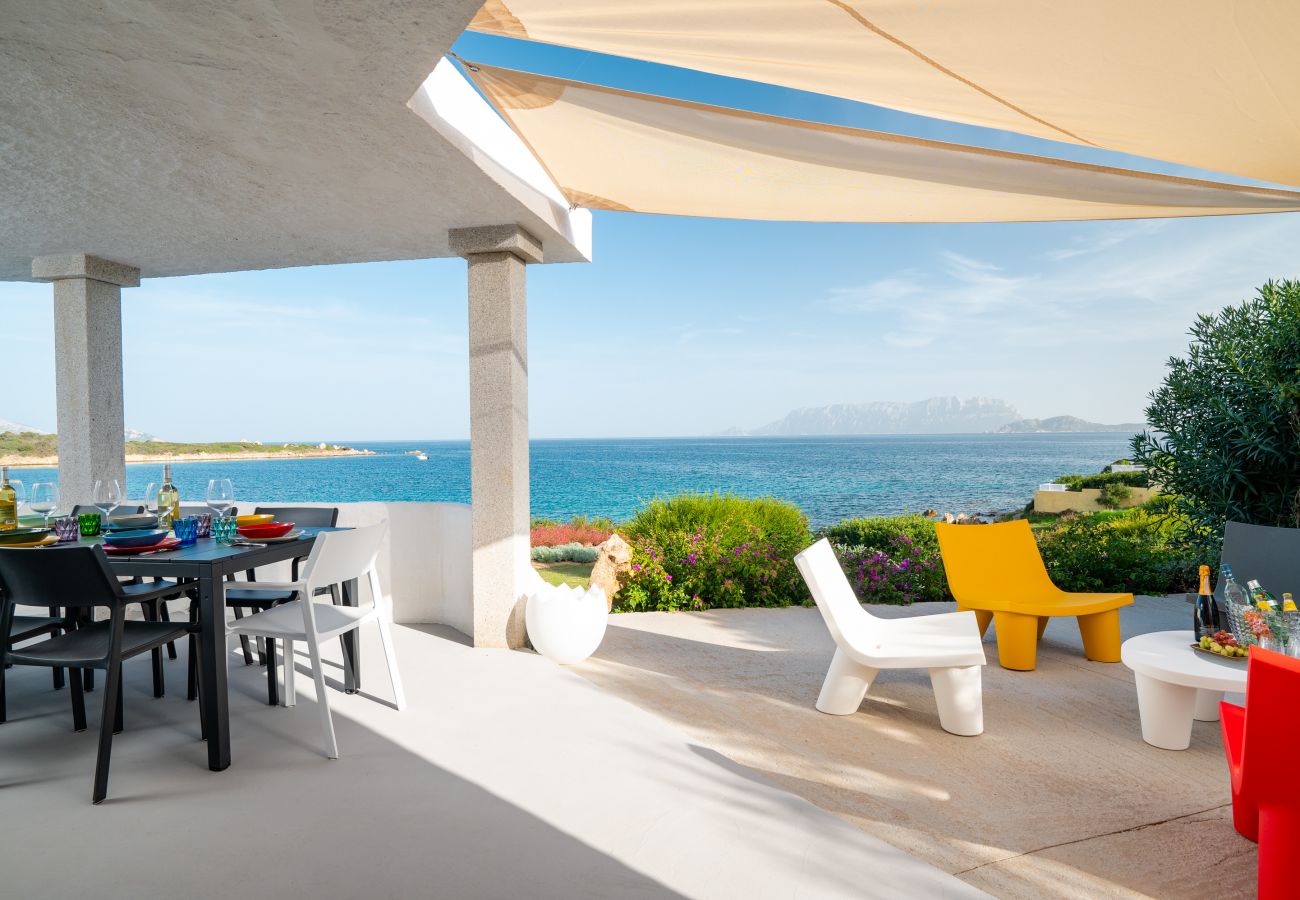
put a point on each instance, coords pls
(425, 565)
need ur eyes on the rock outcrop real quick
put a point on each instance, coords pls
(615, 558)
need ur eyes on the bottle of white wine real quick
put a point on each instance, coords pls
(8, 502)
(169, 500)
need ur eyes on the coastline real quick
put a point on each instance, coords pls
(41, 462)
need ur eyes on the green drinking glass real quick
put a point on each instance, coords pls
(89, 524)
(224, 528)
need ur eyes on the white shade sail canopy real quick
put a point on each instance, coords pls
(1207, 83)
(611, 149)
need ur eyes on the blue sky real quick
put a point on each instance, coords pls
(688, 326)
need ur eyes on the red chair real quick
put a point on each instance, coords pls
(1259, 741)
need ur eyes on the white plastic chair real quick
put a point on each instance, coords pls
(948, 644)
(336, 557)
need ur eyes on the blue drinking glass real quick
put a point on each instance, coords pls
(186, 529)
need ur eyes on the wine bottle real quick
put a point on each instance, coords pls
(1232, 591)
(8, 502)
(1205, 621)
(169, 500)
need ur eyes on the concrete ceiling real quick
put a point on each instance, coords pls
(185, 137)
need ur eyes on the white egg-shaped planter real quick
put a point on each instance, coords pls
(566, 624)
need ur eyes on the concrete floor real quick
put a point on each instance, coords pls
(505, 777)
(1059, 796)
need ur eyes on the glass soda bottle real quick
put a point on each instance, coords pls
(1232, 591)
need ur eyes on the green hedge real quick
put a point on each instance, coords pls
(1137, 552)
(1105, 479)
(697, 551)
(578, 553)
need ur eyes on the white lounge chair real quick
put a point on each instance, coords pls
(336, 557)
(948, 644)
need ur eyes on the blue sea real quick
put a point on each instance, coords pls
(830, 478)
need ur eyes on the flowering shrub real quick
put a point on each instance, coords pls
(579, 530)
(890, 559)
(902, 574)
(705, 551)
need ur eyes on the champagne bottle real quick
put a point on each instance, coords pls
(169, 500)
(8, 502)
(1205, 618)
(1232, 591)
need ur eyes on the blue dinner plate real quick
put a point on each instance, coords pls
(134, 538)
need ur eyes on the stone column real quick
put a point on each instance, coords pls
(88, 369)
(498, 406)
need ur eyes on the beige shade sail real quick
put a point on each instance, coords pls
(1207, 83)
(611, 149)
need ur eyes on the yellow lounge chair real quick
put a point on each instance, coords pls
(996, 571)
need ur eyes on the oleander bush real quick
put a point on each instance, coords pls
(890, 559)
(699, 551)
(1225, 423)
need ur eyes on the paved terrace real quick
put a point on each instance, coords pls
(505, 777)
(1059, 796)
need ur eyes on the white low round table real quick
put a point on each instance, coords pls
(1176, 685)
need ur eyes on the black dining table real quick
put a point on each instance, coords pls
(207, 563)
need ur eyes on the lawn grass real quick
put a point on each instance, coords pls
(570, 573)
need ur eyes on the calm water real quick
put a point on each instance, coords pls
(829, 477)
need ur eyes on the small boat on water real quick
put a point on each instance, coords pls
(422, 457)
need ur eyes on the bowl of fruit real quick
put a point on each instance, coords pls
(1221, 643)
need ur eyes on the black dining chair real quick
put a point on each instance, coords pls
(78, 579)
(153, 610)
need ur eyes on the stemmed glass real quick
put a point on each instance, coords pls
(108, 497)
(151, 500)
(221, 496)
(45, 499)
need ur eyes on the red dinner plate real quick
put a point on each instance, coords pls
(269, 530)
(167, 543)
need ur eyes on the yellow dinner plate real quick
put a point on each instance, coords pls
(43, 542)
(254, 520)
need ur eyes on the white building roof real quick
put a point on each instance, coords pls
(190, 138)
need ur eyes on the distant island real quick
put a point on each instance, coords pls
(1066, 424)
(937, 415)
(34, 448)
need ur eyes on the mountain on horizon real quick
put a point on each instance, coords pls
(937, 415)
(1065, 425)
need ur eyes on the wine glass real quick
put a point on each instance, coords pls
(108, 497)
(221, 496)
(45, 499)
(151, 500)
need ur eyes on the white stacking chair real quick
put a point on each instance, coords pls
(336, 557)
(948, 644)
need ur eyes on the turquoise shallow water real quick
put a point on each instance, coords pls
(829, 477)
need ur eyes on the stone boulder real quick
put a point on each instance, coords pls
(615, 558)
